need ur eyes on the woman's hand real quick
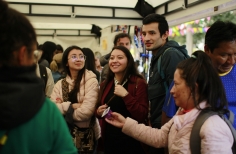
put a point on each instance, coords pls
(120, 91)
(58, 100)
(101, 109)
(116, 120)
(76, 105)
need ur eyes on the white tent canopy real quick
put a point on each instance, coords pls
(80, 14)
(66, 18)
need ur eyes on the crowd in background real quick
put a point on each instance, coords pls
(41, 82)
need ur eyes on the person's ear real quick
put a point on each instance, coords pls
(207, 49)
(165, 35)
(22, 55)
(19, 56)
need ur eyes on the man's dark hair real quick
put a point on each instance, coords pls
(119, 36)
(220, 32)
(161, 20)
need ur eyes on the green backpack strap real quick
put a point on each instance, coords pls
(160, 71)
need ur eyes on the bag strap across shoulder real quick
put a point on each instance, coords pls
(160, 71)
(43, 74)
(195, 139)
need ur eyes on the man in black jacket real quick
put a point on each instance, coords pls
(155, 31)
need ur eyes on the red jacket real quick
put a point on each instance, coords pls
(136, 101)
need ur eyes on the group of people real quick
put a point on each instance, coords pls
(139, 122)
(48, 59)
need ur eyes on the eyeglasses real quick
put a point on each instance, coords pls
(77, 57)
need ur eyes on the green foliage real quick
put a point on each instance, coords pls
(198, 37)
(227, 16)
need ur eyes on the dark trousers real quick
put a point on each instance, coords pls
(153, 150)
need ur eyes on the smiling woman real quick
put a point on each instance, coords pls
(124, 91)
(76, 62)
(76, 95)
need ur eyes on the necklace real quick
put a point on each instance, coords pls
(116, 82)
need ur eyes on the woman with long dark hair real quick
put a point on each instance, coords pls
(76, 95)
(124, 91)
(90, 62)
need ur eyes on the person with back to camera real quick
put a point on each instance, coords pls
(220, 46)
(121, 39)
(76, 94)
(124, 91)
(44, 73)
(197, 88)
(56, 67)
(90, 62)
(29, 122)
(48, 50)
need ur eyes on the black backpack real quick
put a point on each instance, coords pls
(43, 74)
(195, 140)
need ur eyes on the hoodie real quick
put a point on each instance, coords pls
(18, 103)
(156, 89)
(32, 123)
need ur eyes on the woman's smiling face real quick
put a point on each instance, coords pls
(118, 61)
(76, 60)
